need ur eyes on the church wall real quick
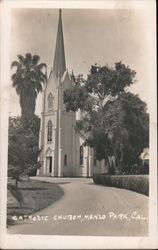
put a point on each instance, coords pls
(66, 144)
(52, 87)
(52, 144)
(89, 166)
(100, 167)
(49, 115)
(67, 121)
(81, 170)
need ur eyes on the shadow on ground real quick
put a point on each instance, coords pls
(33, 188)
(61, 183)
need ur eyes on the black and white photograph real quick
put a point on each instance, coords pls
(78, 116)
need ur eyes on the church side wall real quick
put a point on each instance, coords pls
(100, 167)
(81, 170)
(67, 120)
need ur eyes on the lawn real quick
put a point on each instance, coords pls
(35, 195)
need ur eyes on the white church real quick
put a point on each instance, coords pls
(62, 150)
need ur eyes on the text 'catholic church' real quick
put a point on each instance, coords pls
(62, 150)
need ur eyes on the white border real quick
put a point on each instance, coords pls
(71, 242)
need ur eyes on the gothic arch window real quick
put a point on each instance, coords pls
(49, 131)
(81, 155)
(50, 101)
(65, 159)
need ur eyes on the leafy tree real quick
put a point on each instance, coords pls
(28, 80)
(23, 149)
(115, 119)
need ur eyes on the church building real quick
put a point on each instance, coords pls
(62, 150)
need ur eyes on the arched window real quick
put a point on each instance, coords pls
(65, 160)
(81, 155)
(50, 101)
(49, 134)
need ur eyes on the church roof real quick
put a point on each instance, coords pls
(81, 133)
(65, 75)
(59, 65)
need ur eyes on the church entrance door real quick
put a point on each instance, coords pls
(49, 164)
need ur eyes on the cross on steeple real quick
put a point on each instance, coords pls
(59, 66)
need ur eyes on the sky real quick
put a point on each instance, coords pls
(102, 36)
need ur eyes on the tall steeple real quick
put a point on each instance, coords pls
(59, 65)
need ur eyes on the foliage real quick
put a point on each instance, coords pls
(138, 168)
(23, 149)
(115, 119)
(102, 83)
(28, 80)
(136, 183)
(122, 129)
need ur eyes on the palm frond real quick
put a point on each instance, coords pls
(14, 64)
(28, 56)
(35, 59)
(14, 77)
(21, 59)
(27, 61)
(41, 66)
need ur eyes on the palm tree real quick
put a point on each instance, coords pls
(28, 80)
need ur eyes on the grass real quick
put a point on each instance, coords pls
(136, 183)
(34, 196)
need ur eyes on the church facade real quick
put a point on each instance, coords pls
(62, 151)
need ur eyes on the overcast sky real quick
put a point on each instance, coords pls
(90, 36)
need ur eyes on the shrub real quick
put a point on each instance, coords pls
(136, 183)
(23, 148)
(32, 172)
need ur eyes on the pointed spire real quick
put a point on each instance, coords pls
(59, 65)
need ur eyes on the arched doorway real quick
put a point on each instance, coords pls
(49, 162)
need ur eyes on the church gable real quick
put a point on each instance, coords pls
(51, 94)
(66, 81)
(81, 134)
(50, 100)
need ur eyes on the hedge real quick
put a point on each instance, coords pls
(136, 183)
